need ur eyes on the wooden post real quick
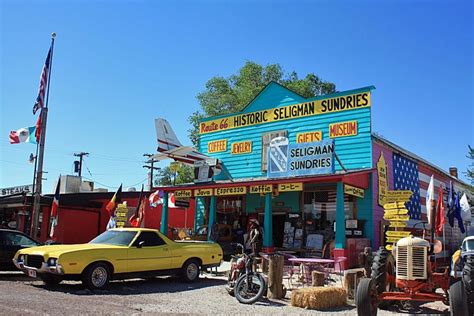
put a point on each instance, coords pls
(275, 277)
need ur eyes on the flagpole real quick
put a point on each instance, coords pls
(40, 156)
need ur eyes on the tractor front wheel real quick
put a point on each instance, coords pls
(468, 280)
(458, 300)
(383, 273)
(366, 298)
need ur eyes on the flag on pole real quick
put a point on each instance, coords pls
(440, 220)
(39, 104)
(430, 200)
(38, 127)
(136, 218)
(116, 199)
(156, 198)
(24, 135)
(54, 208)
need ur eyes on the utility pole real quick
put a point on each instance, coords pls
(151, 167)
(80, 155)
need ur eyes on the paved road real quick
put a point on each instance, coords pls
(20, 295)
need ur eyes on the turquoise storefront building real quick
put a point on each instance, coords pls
(305, 168)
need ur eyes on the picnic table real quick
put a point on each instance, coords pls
(310, 264)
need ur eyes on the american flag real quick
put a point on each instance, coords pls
(43, 83)
(406, 177)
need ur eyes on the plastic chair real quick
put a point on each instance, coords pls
(338, 268)
(289, 269)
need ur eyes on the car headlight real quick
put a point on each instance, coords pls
(52, 261)
(21, 258)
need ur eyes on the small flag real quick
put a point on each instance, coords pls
(38, 127)
(156, 198)
(54, 208)
(39, 104)
(440, 220)
(465, 208)
(451, 206)
(116, 199)
(430, 200)
(112, 223)
(23, 135)
(135, 219)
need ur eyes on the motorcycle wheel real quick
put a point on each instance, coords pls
(249, 288)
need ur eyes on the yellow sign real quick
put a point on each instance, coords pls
(121, 213)
(343, 129)
(355, 191)
(231, 191)
(400, 211)
(397, 196)
(241, 147)
(398, 224)
(289, 187)
(395, 217)
(389, 247)
(264, 188)
(217, 146)
(316, 107)
(393, 239)
(309, 137)
(394, 205)
(203, 192)
(399, 234)
(383, 179)
(183, 194)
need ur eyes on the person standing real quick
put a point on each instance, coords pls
(256, 237)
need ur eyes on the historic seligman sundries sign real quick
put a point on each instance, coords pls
(286, 160)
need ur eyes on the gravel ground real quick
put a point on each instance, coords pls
(20, 295)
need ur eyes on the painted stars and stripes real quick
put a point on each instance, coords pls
(39, 104)
(405, 174)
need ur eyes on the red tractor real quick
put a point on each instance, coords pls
(409, 273)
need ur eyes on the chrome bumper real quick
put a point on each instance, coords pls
(57, 269)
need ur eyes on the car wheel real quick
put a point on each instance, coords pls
(190, 271)
(458, 299)
(51, 279)
(96, 276)
(468, 280)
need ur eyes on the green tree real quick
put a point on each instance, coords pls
(470, 170)
(183, 174)
(230, 95)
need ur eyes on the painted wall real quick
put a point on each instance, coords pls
(354, 151)
(424, 171)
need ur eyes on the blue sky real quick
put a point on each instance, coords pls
(119, 64)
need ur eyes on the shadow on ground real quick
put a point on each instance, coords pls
(135, 286)
(14, 276)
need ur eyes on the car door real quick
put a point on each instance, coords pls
(149, 252)
(10, 243)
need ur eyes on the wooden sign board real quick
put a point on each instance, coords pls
(231, 191)
(400, 211)
(203, 192)
(289, 187)
(355, 191)
(264, 188)
(394, 205)
(396, 217)
(400, 234)
(183, 194)
(398, 224)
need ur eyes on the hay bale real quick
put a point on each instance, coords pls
(319, 297)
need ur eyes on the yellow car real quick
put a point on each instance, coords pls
(118, 254)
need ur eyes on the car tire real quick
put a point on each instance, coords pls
(468, 280)
(50, 279)
(366, 298)
(458, 300)
(190, 271)
(96, 276)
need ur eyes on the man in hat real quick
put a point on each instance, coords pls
(255, 236)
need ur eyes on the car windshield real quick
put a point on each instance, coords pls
(114, 237)
(469, 245)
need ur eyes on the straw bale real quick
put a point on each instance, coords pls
(319, 297)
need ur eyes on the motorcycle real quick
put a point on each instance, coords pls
(246, 285)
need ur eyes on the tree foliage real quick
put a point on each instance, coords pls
(184, 174)
(470, 169)
(230, 95)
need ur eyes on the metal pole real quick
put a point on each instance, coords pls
(40, 156)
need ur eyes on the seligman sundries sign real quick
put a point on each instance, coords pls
(287, 160)
(314, 107)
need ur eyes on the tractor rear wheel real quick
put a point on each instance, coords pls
(457, 299)
(468, 280)
(366, 298)
(383, 273)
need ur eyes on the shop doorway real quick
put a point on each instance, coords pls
(278, 229)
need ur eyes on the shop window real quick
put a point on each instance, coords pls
(266, 138)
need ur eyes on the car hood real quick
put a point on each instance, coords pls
(56, 250)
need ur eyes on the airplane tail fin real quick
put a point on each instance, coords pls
(165, 135)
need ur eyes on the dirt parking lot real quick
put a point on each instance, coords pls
(20, 295)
